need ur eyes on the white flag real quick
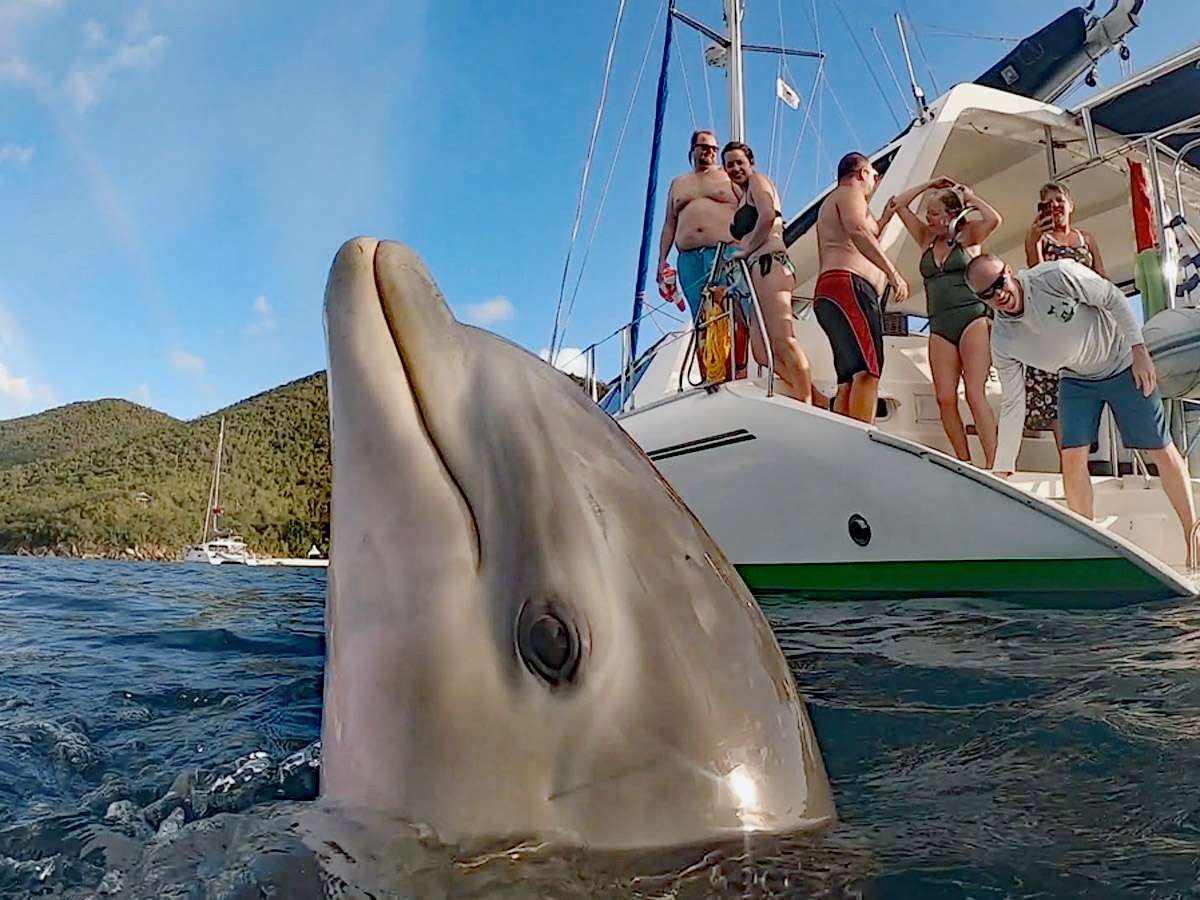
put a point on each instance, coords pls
(787, 94)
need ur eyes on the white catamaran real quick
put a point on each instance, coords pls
(823, 506)
(214, 548)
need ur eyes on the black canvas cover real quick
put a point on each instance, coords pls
(1041, 65)
(1171, 97)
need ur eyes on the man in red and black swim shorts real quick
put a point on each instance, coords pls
(854, 274)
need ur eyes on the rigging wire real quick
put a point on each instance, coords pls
(896, 81)
(921, 48)
(803, 127)
(587, 166)
(866, 61)
(959, 33)
(712, 120)
(616, 154)
(687, 89)
(776, 102)
(841, 109)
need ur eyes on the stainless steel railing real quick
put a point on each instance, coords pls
(721, 271)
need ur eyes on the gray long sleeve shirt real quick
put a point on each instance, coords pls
(1074, 322)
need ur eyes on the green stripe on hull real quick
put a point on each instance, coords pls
(1065, 582)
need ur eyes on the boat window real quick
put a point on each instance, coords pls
(800, 225)
(612, 401)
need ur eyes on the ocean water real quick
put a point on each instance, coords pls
(158, 726)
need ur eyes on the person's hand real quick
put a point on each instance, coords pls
(899, 285)
(942, 183)
(661, 273)
(1144, 375)
(889, 210)
(739, 253)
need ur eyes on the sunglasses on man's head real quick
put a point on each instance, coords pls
(990, 291)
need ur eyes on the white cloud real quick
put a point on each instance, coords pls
(568, 359)
(264, 317)
(13, 11)
(93, 33)
(17, 70)
(186, 362)
(14, 153)
(87, 80)
(141, 394)
(138, 23)
(490, 311)
(14, 389)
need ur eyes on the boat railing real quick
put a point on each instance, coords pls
(720, 273)
(593, 384)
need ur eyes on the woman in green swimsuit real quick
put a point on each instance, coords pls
(960, 330)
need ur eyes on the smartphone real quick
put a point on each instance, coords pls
(1043, 213)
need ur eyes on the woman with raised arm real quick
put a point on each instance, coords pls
(959, 326)
(758, 229)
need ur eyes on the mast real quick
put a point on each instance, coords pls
(732, 43)
(216, 497)
(737, 104)
(660, 111)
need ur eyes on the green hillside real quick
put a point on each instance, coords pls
(108, 477)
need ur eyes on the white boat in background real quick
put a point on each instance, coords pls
(218, 550)
(825, 507)
(214, 548)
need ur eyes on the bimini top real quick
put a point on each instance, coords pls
(1163, 101)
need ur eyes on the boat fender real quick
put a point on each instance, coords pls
(1173, 339)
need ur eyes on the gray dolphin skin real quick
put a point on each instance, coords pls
(529, 634)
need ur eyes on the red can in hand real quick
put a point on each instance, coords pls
(668, 286)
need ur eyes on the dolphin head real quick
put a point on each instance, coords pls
(528, 631)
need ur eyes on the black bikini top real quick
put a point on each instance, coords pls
(745, 219)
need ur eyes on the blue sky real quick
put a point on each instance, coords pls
(177, 174)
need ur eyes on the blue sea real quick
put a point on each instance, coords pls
(158, 728)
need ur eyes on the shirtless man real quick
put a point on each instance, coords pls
(854, 274)
(700, 206)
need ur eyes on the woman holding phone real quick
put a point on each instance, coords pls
(1051, 237)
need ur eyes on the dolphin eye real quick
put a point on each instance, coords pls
(548, 640)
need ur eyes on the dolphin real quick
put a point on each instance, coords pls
(528, 632)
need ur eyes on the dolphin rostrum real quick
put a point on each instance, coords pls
(528, 631)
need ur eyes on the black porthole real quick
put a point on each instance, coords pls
(860, 530)
(549, 640)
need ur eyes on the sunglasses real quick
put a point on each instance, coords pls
(991, 290)
(712, 147)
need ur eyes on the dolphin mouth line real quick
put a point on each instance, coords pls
(422, 418)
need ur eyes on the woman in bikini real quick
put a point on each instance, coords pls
(758, 229)
(1051, 237)
(959, 327)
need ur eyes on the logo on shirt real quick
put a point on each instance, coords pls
(1063, 309)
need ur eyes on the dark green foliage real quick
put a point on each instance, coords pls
(73, 479)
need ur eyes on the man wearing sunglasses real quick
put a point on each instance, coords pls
(1062, 317)
(700, 206)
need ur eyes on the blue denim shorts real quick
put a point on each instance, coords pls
(694, 267)
(1140, 419)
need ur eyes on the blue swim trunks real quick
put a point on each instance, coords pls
(694, 267)
(1140, 419)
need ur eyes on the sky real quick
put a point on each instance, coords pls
(177, 175)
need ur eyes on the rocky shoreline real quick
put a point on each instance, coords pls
(152, 552)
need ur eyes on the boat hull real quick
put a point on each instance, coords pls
(823, 507)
